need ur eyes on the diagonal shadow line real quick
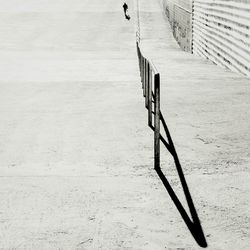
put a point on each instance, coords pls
(194, 226)
(194, 229)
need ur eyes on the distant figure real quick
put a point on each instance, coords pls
(125, 9)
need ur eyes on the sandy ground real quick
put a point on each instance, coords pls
(76, 155)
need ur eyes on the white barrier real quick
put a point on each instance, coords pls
(221, 33)
(220, 30)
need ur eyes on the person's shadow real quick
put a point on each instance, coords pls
(127, 16)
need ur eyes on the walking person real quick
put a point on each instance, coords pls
(125, 9)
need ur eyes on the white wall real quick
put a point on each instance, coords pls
(218, 30)
(179, 13)
(221, 32)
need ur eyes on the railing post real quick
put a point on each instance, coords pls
(146, 85)
(157, 121)
(141, 66)
(143, 59)
(139, 56)
(150, 98)
(139, 61)
(145, 77)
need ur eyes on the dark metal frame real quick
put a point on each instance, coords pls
(150, 79)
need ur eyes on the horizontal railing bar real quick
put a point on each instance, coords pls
(152, 66)
(163, 140)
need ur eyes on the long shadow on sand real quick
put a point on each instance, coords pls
(193, 225)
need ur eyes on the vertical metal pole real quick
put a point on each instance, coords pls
(141, 66)
(157, 121)
(140, 63)
(138, 20)
(145, 77)
(146, 85)
(143, 72)
(147, 89)
(139, 56)
(150, 98)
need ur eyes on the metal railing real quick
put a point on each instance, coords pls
(138, 33)
(150, 79)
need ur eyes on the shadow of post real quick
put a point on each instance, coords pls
(193, 225)
(149, 77)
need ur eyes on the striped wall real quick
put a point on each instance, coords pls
(179, 13)
(221, 33)
(220, 30)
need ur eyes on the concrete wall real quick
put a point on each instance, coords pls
(218, 30)
(221, 33)
(179, 13)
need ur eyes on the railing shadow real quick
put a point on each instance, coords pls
(193, 225)
(150, 79)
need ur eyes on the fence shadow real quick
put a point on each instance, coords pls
(150, 79)
(193, 225)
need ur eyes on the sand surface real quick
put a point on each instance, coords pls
(76, 155)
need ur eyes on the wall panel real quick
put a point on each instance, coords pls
(218, 30)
